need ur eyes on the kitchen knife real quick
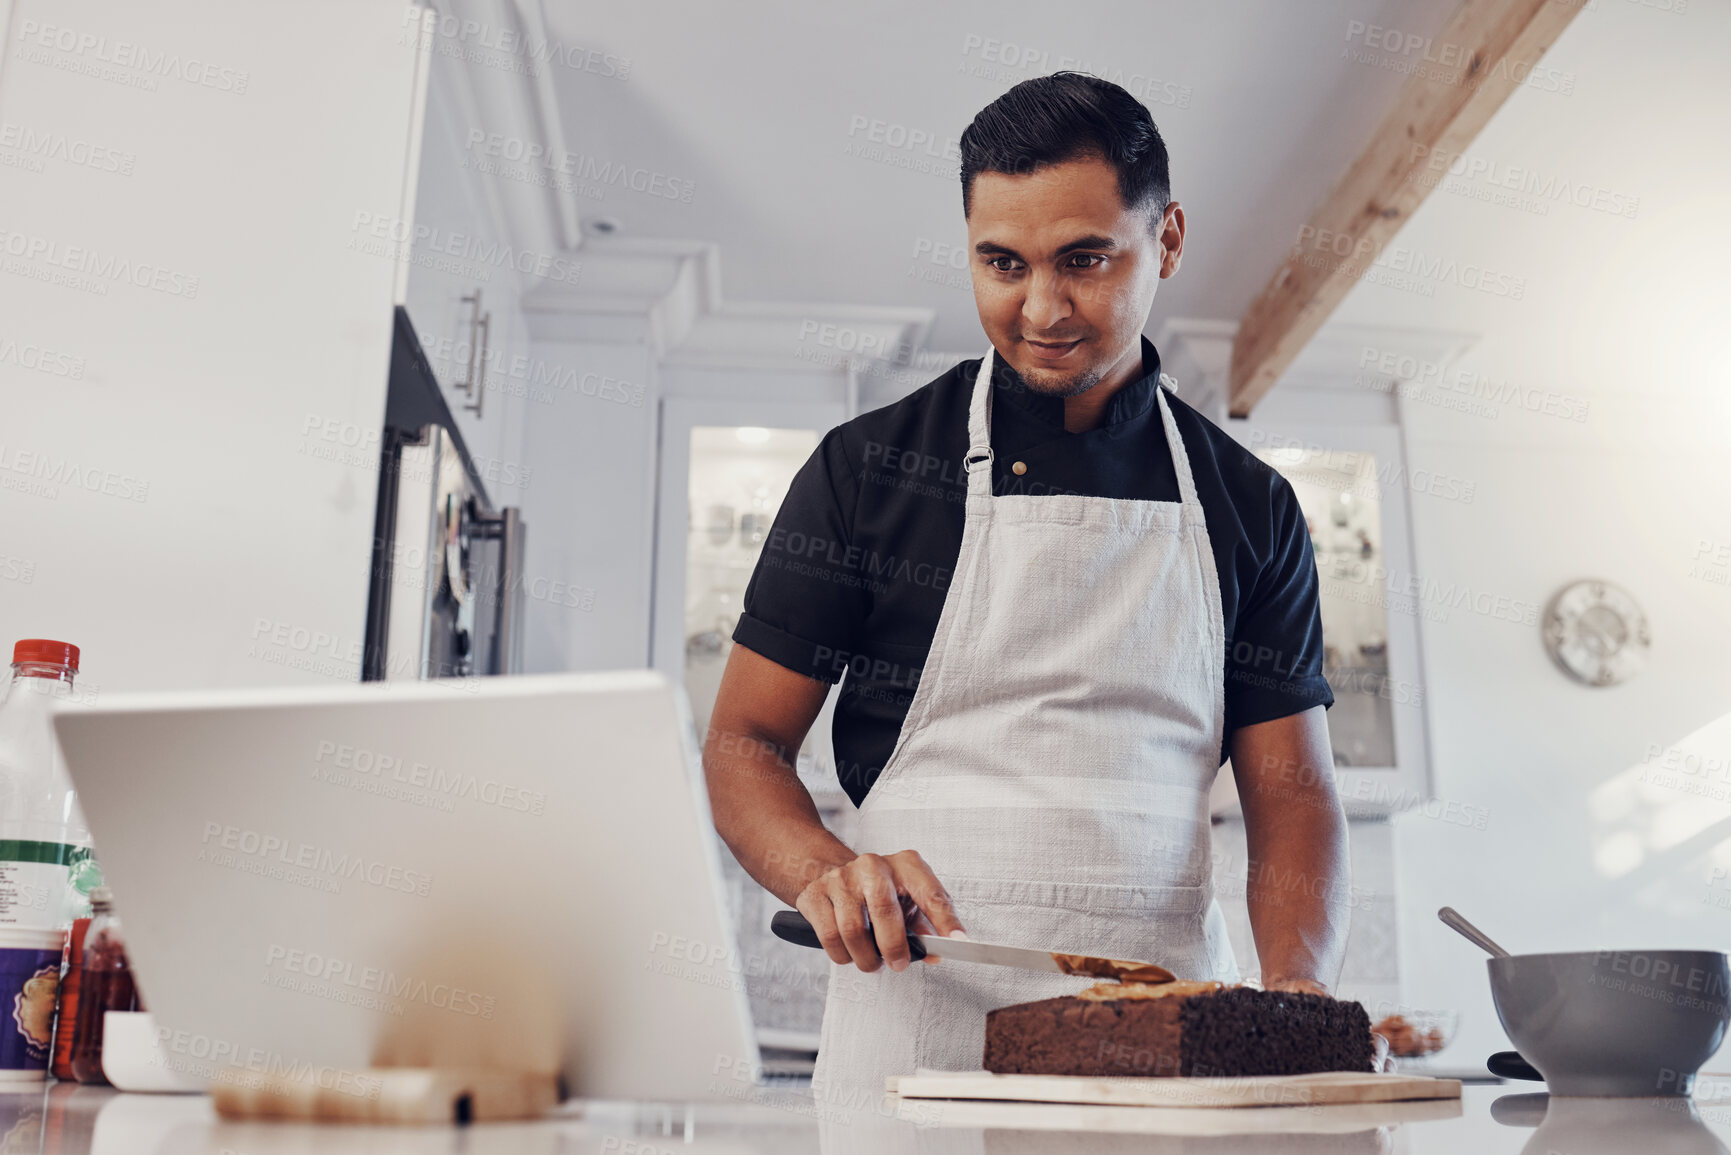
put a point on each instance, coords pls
(792, 926)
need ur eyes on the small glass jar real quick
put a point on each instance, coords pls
(106, 986)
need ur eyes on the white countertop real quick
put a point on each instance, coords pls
(1489, 1120)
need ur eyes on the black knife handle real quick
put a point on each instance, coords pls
(793, 927)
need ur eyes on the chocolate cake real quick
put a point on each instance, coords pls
(1178, 1028)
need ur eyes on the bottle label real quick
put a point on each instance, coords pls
(36, 882)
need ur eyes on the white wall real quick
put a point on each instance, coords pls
(1557, 764)
(481, 230)
(454, 203)
(1626, 314)
(193, 532)
(590, 507)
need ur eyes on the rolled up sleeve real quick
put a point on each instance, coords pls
(805, 601)
(1274, 659)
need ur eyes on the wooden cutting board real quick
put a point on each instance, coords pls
(409, 1095)
(1247, 1091)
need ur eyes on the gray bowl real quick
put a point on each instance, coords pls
(1615, 1023)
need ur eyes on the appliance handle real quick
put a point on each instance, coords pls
(505, 527)
(506, 659)
(479, 376)
(473, 300)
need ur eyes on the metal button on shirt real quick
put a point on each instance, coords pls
(1019, 468)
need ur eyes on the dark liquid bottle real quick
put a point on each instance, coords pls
(70, 984)
(107, 986)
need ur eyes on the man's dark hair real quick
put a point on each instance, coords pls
(1066, 116)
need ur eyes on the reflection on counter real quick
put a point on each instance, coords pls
(66, 1119)
(940, 1128)
(1569, 1126)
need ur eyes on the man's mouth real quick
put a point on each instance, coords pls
(1051, 350)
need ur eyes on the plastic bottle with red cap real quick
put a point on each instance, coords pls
(44, 843)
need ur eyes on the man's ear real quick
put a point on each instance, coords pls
(1171, 239)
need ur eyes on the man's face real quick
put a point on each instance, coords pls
(1064, 273)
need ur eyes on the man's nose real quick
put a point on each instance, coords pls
(1047, 302)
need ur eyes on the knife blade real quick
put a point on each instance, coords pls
(792, 926)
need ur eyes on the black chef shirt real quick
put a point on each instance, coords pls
(853, 574)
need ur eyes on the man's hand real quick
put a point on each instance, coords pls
(765, 814)
(899, 895)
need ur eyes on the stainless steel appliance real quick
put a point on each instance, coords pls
(445, 595)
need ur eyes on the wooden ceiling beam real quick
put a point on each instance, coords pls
(1460, 77)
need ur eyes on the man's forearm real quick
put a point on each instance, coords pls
(1298, 894)
(1297, 888)
(766, 815)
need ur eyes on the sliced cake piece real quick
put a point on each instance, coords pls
(1178, 1028)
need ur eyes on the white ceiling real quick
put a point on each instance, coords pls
(753, 105)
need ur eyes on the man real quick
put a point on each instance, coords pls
(1061, 598)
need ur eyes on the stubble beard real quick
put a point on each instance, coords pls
(1055, 384)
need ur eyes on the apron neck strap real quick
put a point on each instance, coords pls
(978, 461)
(1175, 443)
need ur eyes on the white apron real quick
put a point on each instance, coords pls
(1055, 763)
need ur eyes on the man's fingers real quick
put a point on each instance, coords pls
(916, 878)
(819, 912)
(885, 908)
(919, 924)
(864, 911)
(850, 919)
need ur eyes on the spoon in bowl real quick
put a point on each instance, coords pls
(1452, 919)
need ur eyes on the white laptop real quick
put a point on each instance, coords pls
(517, 872)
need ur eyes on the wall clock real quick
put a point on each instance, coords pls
(1596, 633)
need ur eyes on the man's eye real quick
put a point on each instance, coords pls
(1003, 264)
(1093, 260)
